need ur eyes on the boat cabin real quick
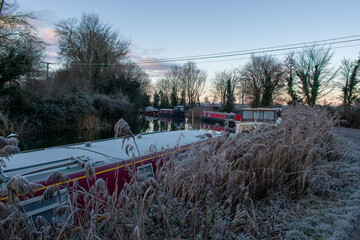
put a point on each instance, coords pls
(260, 114)
(218, 117)
(177, 111)
(109, 159)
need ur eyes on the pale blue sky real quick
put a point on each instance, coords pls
(168, 28)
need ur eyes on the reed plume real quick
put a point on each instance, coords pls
(122, 128)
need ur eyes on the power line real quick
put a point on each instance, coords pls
(263, 48)
(280, 54)
(278, 48)
(244, 52)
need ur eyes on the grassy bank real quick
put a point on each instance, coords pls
(295, 180)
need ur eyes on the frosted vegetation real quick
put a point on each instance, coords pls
(295, 180)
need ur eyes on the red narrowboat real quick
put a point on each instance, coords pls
(150, 111)
(218, 117)
(177, 111)
(109, 159)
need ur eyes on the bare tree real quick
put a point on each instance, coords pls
(219, 83)
(242, 91)
(312, 69)
(184, 83)
(349, 73)
(21, 50)
(14, 24)
(164, 86)
(173, 78)
(263, 75)
(193, 82)
(90, 46)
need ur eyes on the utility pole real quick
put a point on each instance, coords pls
(47, 77)
(47, 81)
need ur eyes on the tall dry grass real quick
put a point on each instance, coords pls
(237, 187)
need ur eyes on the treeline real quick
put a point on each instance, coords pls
(96, 82)
(302, 77)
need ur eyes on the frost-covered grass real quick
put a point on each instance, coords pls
(336, 216)
(289, 181)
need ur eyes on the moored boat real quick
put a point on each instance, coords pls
(150, 111)
(108, 158)
(218, 117)
(177, 111)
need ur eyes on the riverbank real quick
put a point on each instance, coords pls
(295, 180)
(335, 212)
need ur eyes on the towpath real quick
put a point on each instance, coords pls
(352, 133)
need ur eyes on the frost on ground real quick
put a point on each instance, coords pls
(294, 180)
(336, 214)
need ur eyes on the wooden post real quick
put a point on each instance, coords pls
(192, 119)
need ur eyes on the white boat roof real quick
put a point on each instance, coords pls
(100, 152)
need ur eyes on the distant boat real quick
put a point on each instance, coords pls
(150, 111)
(218, 117)
(108, 158)
(177, 111)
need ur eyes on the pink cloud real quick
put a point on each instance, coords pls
(48, 35)
(148, 59)
(152, 64)
(153, 51)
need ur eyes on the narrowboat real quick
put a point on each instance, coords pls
(177, 111)
(150, 111)
(108, 158)
(218, 117)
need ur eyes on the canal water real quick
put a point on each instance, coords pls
(141, 125)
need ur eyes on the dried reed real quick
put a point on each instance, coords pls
(122, 128)
(237, 187)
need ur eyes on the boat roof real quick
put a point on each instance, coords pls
(205, 111)
(260, 109)
(100, 152)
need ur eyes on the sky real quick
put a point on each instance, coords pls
(172, 29)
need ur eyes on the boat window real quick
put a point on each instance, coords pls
(247, 115)
(269, 115)
(34, 207)
(146, 170)
(259, 115)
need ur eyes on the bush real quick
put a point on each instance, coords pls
(31, 113)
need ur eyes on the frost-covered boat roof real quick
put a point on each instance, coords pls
(100, 152)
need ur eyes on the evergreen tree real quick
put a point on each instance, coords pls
(182, 100)
(173, 97)
(156, 100)
(229, 98)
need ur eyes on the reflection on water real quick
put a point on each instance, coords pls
(138, 125)
(158, 124)
(217, 127)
